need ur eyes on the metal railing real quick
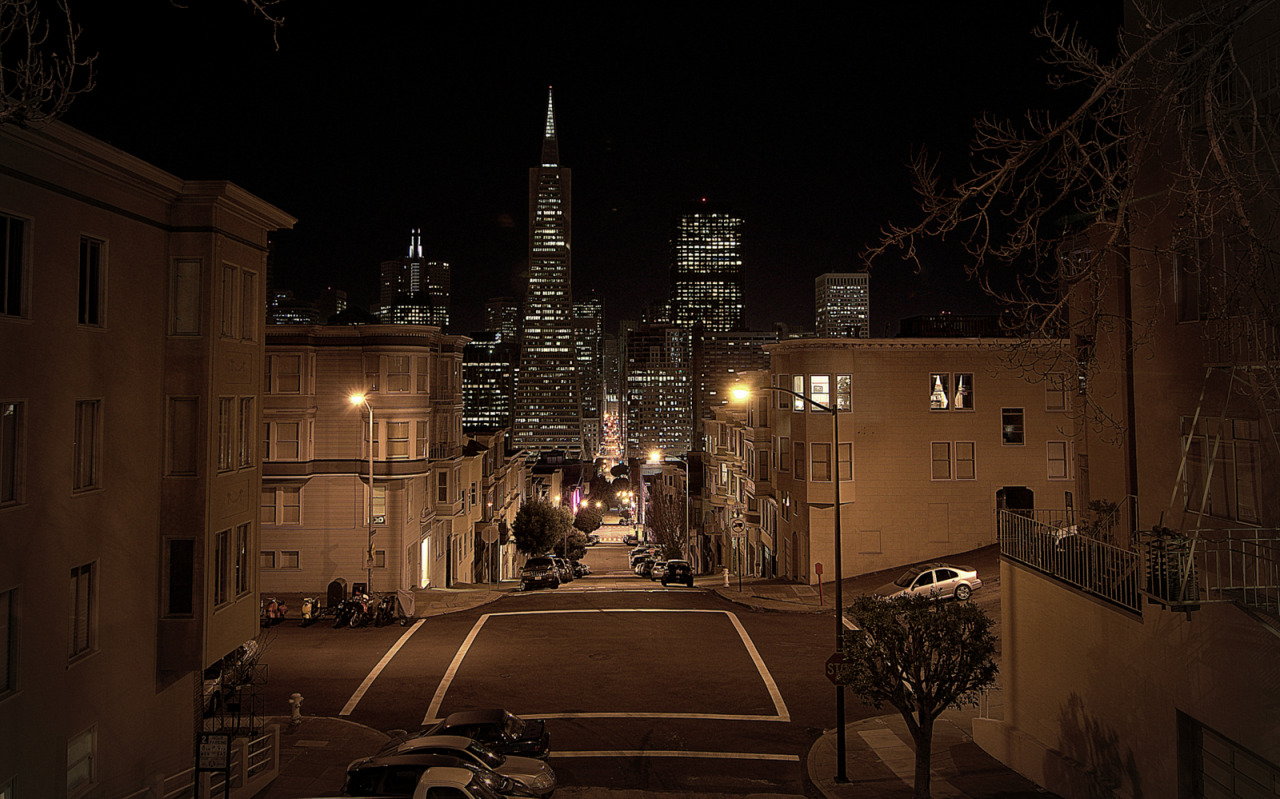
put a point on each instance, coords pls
(1044, 540)
(1180, 572)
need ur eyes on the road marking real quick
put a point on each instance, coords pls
(373, 675)
(679, 753)
(779, 705)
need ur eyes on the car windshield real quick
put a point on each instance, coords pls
(486, 755)
(906, 579)
(538, 563)
(513, 725)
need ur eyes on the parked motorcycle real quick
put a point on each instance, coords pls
(273, 612)
(361, 611)
(387, 611)
(346, 609)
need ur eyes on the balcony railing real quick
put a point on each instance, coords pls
(1171, 569)
(1043, 540)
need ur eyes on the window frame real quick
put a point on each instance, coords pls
(91, 298)
(9, 614)
(1009, 430)
(90, 758)
(972, 459)
(87, 446)
(941, 457)
(1065, 460)
(84, 611)
(15, 279)
(12, 452)
(815, 462)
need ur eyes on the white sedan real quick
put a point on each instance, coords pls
(936, 580)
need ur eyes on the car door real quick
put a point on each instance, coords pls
(923, 586)
(945, 582)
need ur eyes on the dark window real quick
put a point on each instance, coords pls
(90, 282)
(12, 267)
(181, 577)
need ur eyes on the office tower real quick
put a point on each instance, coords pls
(610, 417)
(842, 305)
(706, 268)
(659, 407)
(502, 315)
(588, 315)
(414, 290)
(488, 381)
(718, 359)
(548, 413)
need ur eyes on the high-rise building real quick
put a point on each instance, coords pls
(548, 413)
(707, 268)
(488, 381)
(414, 290)
(658, 402)
(588, 315)
(718, 359)
(842, 305)
(502, 315)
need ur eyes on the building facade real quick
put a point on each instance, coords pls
(842, 305)
(659, 403)
(320, 520)
(934, 436)
(548, 409)
(488, 382)
(707, 268)
(718, 360)
(502, 316)
(131, 337)
(588, 326)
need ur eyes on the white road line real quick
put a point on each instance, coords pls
(373, 675)
(453, 669)
(677, 753)
(643, 715)
(779, 705)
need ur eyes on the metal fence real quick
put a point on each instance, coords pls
(1175, 570)
(1045, 540)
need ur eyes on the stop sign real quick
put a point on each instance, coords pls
(833, 666)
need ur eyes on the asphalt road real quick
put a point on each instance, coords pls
(643, 687)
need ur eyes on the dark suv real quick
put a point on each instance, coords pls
(539, 572)
(678, 571)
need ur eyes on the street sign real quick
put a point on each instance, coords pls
(833, 666)
(738, 526)
(490, 534)
(817, 568)
(215, 752)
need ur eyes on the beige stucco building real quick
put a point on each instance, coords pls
(131, 343)
(935, 434)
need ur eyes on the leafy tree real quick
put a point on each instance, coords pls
(539, 526)
(573, 545)
(921, 656)
(619, 471)
(589, 518)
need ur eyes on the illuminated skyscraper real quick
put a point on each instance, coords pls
(658, 391)
(842, 305)
(548, 413)
(588, 314)
(706, 268)
(414, 290)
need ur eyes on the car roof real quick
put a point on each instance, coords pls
(451, 741)
(406, 759)
(486, 716)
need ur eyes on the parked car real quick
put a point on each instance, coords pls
(533, 774)
(540, 572)
(678, 571)
(580, 569)
(659, 569)
(644, 566)
(501, 730)
(592, 539)
(400, 776)
(630, 539)
(566, 570)
(937, 580)
(641, 552)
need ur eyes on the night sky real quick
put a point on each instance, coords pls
(366, 123)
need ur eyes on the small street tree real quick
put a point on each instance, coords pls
(921, 656)
(589, 518)
(539, 526)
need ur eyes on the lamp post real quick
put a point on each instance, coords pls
(742, 392)
(362, 399)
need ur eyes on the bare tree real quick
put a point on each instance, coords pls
(666, 520)
(41, 72)
(1179, 125)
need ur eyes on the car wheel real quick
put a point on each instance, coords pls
(963, 591)
(689, 582)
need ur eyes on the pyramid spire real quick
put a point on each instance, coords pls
(550, 145)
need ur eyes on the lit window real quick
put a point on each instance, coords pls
(844, 392)
(963, 398)
(939, 391)
(820, 390)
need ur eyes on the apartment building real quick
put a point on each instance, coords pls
(320, 520)
(132, 310)
(934, 436)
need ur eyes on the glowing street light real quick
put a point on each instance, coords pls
(742, 393)
(362, 399)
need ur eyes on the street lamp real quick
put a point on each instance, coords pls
(362, 399)
(742, 392)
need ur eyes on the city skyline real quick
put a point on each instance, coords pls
(364, 129)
